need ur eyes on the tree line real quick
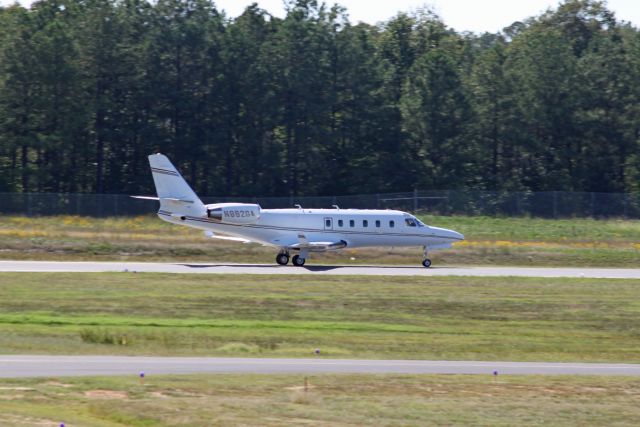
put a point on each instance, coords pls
(312, 104)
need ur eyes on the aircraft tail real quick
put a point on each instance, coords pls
(174, 194)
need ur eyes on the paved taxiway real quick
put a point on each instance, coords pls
(228, 268)
(60, 366)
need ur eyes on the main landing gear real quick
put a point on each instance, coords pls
(297, 260)
(283, 259)
(426, 262)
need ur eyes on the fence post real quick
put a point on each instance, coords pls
(449, 210)
(415, 200)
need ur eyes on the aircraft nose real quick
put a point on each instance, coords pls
(457, 235)
(446, 233)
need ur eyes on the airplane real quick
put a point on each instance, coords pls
(296, 230)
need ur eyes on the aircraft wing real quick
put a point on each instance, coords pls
(211, 235)
(314, 246)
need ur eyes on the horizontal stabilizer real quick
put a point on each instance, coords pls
(145, 197)
(164, 199)
(174, 200)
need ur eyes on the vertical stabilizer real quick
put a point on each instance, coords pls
(173, 191)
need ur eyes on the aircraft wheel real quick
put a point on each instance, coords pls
(282, 259)
(426, 263)
(297, 261)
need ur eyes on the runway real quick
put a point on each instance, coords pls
(317, 270)
(61, 366)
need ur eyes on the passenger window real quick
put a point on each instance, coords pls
(365, 223)
(352, 223)
(339, 223)
(392, 224)
(327, 223)
(378, 223)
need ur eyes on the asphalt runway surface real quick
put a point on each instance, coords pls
(371, 270)
(61, 366)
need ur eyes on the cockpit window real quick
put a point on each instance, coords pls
(411, 222)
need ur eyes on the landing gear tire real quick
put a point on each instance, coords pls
(282, 259)
(426, 262)
(297, 261)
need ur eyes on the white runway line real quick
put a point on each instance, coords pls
(373, 270)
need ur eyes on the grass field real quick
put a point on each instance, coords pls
(331, 400)
(343, 316)
(361, 317)
(490, 241)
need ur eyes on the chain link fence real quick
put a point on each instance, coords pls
(552, 204)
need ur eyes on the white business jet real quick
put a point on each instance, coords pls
(297, 230)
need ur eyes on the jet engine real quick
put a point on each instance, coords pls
(234, 213)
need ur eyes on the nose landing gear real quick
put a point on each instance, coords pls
(426, 262)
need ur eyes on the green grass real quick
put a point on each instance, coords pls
(331, 400)
(344, 316)
(613, 231)
(490, 241)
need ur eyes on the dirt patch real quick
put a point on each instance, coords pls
(11, 397)
(594, 389)
(301, 303)
(159, 394)
(18, 420)
(106, 394)
(58, 384)
(186, 393)
(299, 387)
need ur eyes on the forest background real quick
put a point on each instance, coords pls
(313, 105)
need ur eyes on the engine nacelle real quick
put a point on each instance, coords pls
(234, 213)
